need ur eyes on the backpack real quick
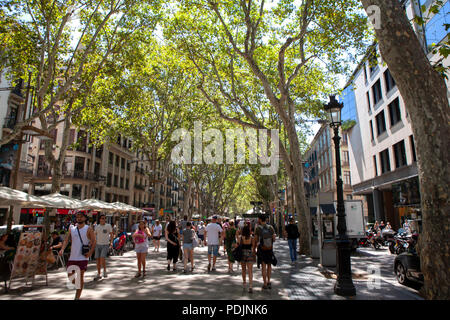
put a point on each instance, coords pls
(266, 238)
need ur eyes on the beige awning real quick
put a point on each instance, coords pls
(98, 205)
(12, 197)
(127, 207)
(63, 202)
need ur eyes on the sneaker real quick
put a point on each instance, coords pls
(213, 269)
(98, 277)
(250, 290)
(137, 275)
(105, 275)
(209, 267)
(168, 267)
(264, 287)
(184, 271)
(269, 285)
(192, 268)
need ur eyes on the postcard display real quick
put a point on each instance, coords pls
(30, 260)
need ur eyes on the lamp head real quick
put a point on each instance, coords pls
(334, 109)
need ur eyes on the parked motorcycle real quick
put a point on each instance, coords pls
(402, 242)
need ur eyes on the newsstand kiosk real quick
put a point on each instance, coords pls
(315, 247)
(327, 235)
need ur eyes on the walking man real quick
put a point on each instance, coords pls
(105, 236)
(291, 231)
(265, 237)
(213, 232)
(83, 244)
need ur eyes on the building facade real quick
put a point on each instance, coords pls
(382, 152)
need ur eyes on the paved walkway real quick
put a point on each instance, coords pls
(301, 281)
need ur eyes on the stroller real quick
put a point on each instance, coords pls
(118, 246)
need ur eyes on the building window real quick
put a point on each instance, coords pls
(376, 92)
(375, 165)
(385, 162)
(381, 123)
(128, 166)
(394, 111)
(109, 180)
(71, 137)
(400, 154)
(117, 161)
(365, 73)
(371, 130)
(121, 183)
(82, 140)
(347, 179)
(116, 180)
(413, 148)
(127, 184)
(389, 81)
(111, 158)
(346, 157)
(76, 191)
(123, 163)
(368, 100)
(373, 66)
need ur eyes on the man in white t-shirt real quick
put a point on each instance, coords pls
(212, 233)
(105, 236)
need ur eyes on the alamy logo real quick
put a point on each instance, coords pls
(374, 13)
(213, 152)
(74, 279)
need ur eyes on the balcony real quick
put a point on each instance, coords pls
(10, 123)
(139, 187)
(72, 174)
(140, 170)
(26, 167)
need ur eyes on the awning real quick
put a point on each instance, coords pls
(58, 211)
(62, 202)
(15, 197)
(327, 208)
(95, 204)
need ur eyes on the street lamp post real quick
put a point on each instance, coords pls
(344, 284)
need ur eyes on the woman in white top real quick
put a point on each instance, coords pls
(157, 232)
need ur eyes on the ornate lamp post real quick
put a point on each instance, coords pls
(344, 284)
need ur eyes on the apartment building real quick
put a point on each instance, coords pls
(383, 163)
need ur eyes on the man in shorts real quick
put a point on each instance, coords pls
(213, 236)
(79, 234)
(105, 236)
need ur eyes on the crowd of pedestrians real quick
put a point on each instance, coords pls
(245, 243)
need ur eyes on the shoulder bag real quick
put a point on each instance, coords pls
(84, 248)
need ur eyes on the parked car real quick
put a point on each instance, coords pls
(407, 268)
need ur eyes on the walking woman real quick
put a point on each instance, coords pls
(157, 232)
(140, 238)
(188, 247)
(248, 256)
(230, 244)
(173, 245)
